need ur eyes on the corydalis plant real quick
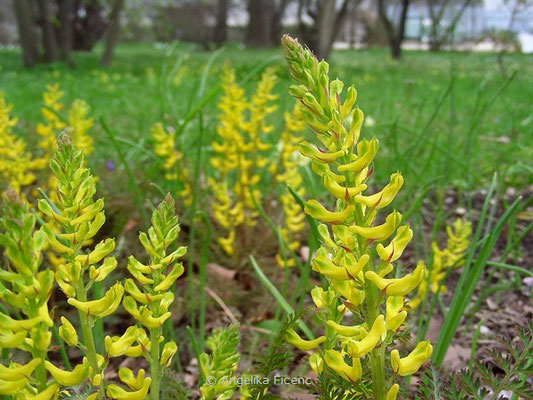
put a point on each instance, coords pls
(150, 299)
(26, 287)
(354, 261)
(75, 219)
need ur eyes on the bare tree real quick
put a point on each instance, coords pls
(51, 52)
(112, 33)
(220, 33)
(394, 27)
(27, 37)
(328, 17)
(437, 10)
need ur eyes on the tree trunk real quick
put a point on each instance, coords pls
(325, 29)
(276, 26)
(220, 33)
(112, 32)
(65, 14)
(49, 37)
(27, 39)
(258, 32)
(395, 35)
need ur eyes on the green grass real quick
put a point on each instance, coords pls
(439, 116)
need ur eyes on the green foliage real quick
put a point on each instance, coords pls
(503, 368)
(218, 367)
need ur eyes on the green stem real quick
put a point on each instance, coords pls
(88, 339)
(155, 367)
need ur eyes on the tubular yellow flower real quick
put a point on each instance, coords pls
(116, 392)
(362, 347)
(67, 332)
(400, 286)
(293, 338)
(335, 361)
(410, 364)
(395, 315)
(393, 392)
(69, 378)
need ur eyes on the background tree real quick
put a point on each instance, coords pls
(220, 33)
(51, 52)
(27, 36)
(66, 29)
(327, 16)
(393, 16)
(437, 10)
(112, 31)
(258, 30)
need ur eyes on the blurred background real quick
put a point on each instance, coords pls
(57, 27)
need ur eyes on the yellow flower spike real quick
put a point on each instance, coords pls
(348, 331)
(116, 392)
(293, 338)
(364, 346)
(318, 211)
(339, 191)
(68, 378)
(53, 242)
(366, 151)
(127, 376)
(117, 346)
(335, 361)
(103, 306)
(12, 387)
(386, 196)
(395, 249)
(169, 350)
(393, 392)
(380, 232)
(410, 364)
(67, 332)
(16, 372)
(347, 270)
(169, 280)
(394, 315)
(400, 286)
(317, 363)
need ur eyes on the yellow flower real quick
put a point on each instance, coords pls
(410, 364)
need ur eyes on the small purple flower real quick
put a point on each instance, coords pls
(110, 165)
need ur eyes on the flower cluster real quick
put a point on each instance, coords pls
(26, 287)
(150, 299)
(165, 147)
(239, 155)
(450, 257)
(16, 163)
(354, 257)
(75, 218)
(289, 160)
(218, 368)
